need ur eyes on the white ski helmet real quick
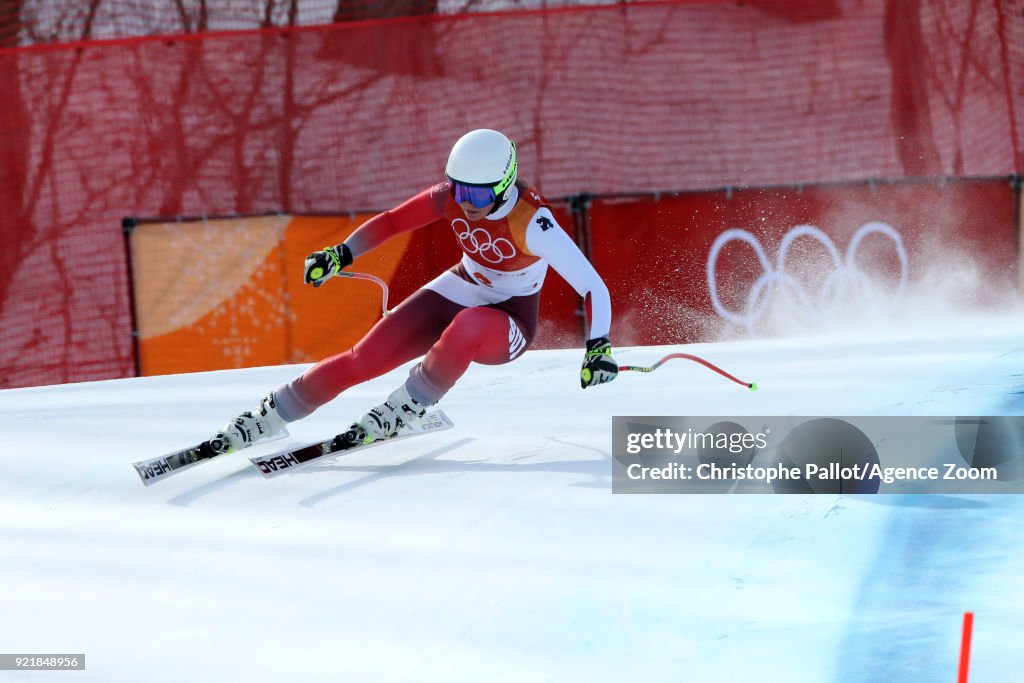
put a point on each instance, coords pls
(484, 158)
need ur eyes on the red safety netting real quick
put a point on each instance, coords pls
(34, 22)
(358, 115)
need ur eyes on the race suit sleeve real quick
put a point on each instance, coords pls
(546, 239)
(422, 209)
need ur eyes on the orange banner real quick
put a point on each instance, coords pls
(228, 293)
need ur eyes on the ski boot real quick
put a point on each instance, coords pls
(384, 421)
(263, 422)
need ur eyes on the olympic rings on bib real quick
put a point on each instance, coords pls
(479, 241)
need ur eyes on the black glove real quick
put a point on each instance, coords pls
(324, 264)
(598, 365)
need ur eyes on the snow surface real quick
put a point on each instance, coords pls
(496, 551)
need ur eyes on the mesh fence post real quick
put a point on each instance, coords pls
(127, 227)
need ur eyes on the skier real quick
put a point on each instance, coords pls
(484, 309)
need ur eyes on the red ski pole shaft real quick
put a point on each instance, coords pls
(697, 359)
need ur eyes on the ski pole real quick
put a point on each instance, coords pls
(710, 366)
(372, 278)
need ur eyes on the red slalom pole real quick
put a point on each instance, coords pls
(710, 366)
(965, 646)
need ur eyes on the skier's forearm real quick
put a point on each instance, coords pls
(600, 308)
(371, 234)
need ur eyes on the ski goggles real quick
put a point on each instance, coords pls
(477, 195)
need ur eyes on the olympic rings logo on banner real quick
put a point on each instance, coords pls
(479, 241)
(844, 280)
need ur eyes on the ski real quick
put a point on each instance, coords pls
(159, 468)
(163, 466)
(288, 461)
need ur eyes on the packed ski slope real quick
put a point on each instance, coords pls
(496, 551)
